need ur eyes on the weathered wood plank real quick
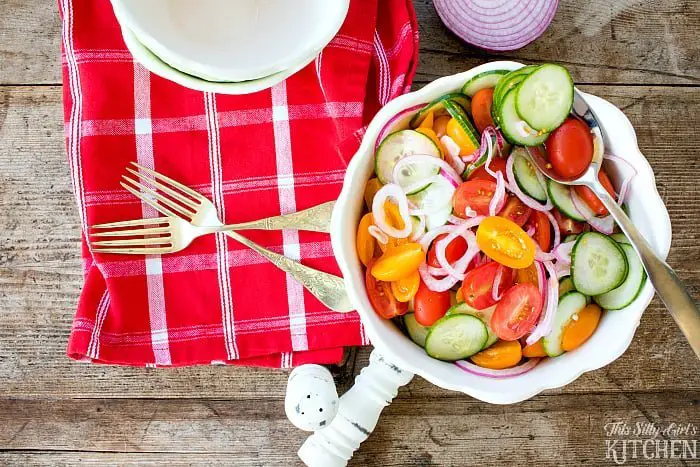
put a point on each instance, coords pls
(40, 274)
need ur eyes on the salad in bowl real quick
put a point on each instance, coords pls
(471, 267)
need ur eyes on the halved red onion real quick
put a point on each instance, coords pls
(528, 201)
(446, 171)
(605, 224)
(499, 196)
(377, 233)
(397, 122)
(496, 284)
(544, 327)
(489, 373)
(497, 25)
(563, 252)
(391, 190)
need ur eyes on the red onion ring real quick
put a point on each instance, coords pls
(563, 252)
(499, 196)
(447, 169)
(377, 233)
(391, 190)
(530, 231)
(391, 126)
(605, 224)
(452, 154)
(489, 373)
(541, 279)
(513, 186)
(460, 266)
(624, 186)
(555, 227)
(418, 234)
(544, 327)
(562, 270)
(496, 284)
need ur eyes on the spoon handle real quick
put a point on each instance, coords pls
(667, 284)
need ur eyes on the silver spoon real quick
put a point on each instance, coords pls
(667, 284)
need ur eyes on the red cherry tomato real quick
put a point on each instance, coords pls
(591, 199)
(478, 284)
(381, 297)
(498, 164)
(455, 250)
(516, 211)
(481, 108)
(567, 226)
(517, 312)
(543, 230)
(474, 194)
(570, 148)
(430, 306)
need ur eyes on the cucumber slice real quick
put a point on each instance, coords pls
(620, 238)
(510, 81)
(398, 145)
(484, 315)
(525, 175)
(626, 293)
(417, 230)
(569, 304)
(456, 337)
(436, 201)
(439, 218)
(513, 127)
(438, 106)
(462, 118)
(566, 285)
(544, 99)
(561, 198)
(598, 264)
(416, 331)
(485, 80)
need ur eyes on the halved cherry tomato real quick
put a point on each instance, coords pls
(428, 121)
(591, 199)
(454, 250)
(505, 242)
(399, 262)
(430, 306)
(381, 298)
(477, 286)
(501, 355)
(440, 125)
(405, 289)
(567, 226)
(517, 312)
(459, 298)
(577, 331)
(364, 242)
(474, 194)
(527, 275)
(481, 108)
(457, 133)
(371, 189)
(570, 148)
(393, 217)
(498, 164)
(516, 211)
(534, 350)
(431, 134)
(543, 229)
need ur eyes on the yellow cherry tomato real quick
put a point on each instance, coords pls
(534, 350)
(457, 133)
(427, 121)
(393, 217)
(364, 242)
(371, 189)
(431, 134)
(440, 125)
(527, 275)
(501, 355)
(405, 289)
(399, 262)
(581, 326)
(503, 241)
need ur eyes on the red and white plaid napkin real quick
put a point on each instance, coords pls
(276, 151)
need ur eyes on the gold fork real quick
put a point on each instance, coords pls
(191, 215)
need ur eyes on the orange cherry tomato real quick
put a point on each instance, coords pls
(454, 250)
(543, 230)
(570, 148)
(477, 287)
(399, 262)
(474, 194)
(371, 189)
(591, 199)
(430, 306)
(516, 211)
(534, 350)
(459, 297)
(527, 275)
(381, 297)
(517, 312)
(457, 133)
(505, 242)
(501, 355)
(498, 164)
(567, 226)
(431, 134)
(582, 326)
(405, 289)
(393, 217)
(481, 108)
(427, 121)
(440, 125)
(364, 242)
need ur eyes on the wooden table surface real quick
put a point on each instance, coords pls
(643, 55)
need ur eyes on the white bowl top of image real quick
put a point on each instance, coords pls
(232, 40)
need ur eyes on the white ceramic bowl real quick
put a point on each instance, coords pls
(232, 40)
(616, 329)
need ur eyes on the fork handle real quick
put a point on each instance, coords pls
(667, 284)
(315, 219)
(329, 289)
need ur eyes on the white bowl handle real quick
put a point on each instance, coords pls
(375, 387)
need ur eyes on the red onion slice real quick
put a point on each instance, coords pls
(457, 270)
(399, 121)
(447, 170)
(391, 190)
(499, 196)
(452, 154)
(530, 231)
(630, 173)
(528, 201)
(563, 270)
(420, 230)
(605, 224)
(489, 373)
(544, 327)
(541, 279)
(563, 252)
(380, 236)
(496, 284)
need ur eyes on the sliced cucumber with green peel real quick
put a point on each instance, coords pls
(620, 238)
(485, 80)
(525, 175)
(509, 81)
(566, 285)
(561, 198)
(436, 201)
(626, 293)
(417, 229)
(416, 331)
(398, 145)
(514, 129)
(438, 106)
(569, 304)
(456, 337)
(462, 118)
(598, 264)
(544, 98)
(484, 315)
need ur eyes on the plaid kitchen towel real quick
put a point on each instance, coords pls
(276, 151)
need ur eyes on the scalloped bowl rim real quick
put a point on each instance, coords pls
(617, 328)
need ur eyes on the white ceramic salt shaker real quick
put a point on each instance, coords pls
(311, 402)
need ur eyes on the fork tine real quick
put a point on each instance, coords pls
(189, 191)
(133, 223)
(163, 199)
(131, 232)
(155, 205)
(183, 199)
(135, 251)
(135, 242)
